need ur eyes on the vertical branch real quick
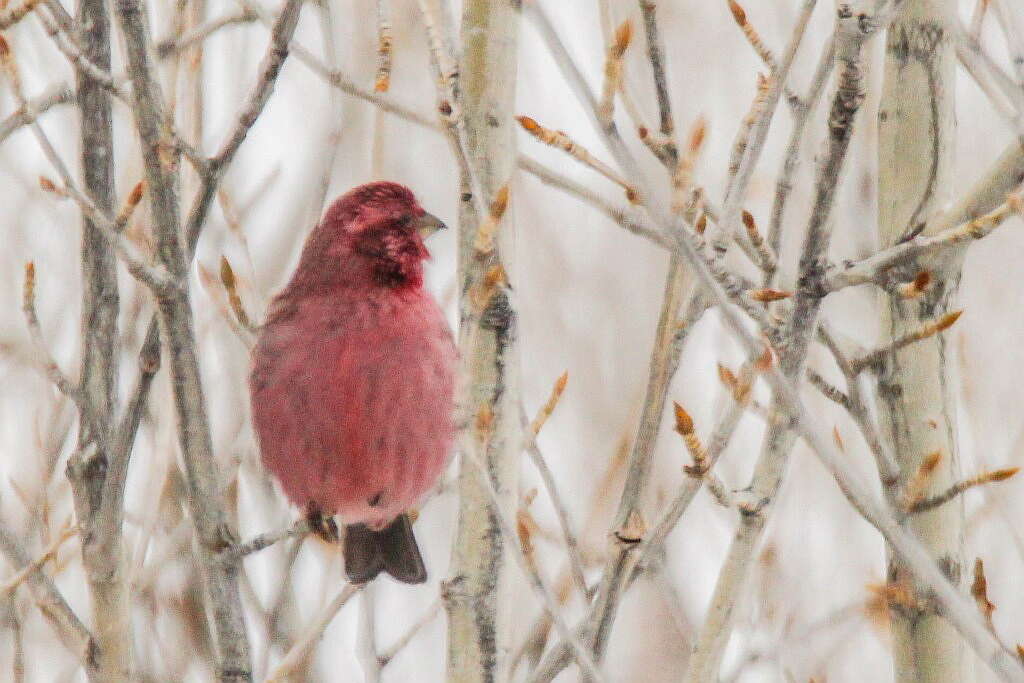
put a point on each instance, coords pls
(664, 360)
(201, 473)
(95, 479)
(478, 594)
(656, 55)
(851, 34)
(366, 641)
(916, 397)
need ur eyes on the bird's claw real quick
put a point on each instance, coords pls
(322, 525)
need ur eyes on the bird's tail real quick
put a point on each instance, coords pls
(393, 549)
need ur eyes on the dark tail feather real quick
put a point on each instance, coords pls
(393, 550)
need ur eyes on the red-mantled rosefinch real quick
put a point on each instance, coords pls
(352, 378)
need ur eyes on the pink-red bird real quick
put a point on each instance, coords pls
(353, 378)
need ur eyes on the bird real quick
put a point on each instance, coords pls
(352, 380)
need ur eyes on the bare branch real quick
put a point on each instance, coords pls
(530, 570)
(613, 72)
(830, 391)
(925, 504)
(169, 46)
(202, 479)
(417, 626)
(927, 329)
(920, 250)
(383, 80)
(629, 218)
(69, 628)
(299, 653)
(277, 52)
(37, 564)
(563, 142)
(83, 64)
(53, 371)
(728, 224)
(656, 56)
(37, 106)
(366, 641)
(240, 550)
(571, 541)
(784, 183)
(12, 15)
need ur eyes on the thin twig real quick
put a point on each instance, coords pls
(802, 114)
(415, 629)
(885, 461)
(67, 45)
(34, 107)
(736, 193)
(53, 371)
(257, 543)
(366, 641)
(69, 628)
(300, 651)
(875, 268)
(830, 391)
(631, 218)
(656, 56)
(48, 553)
(156, 277)
(383, 80)
(530, 571)
(927, 329)
(925, 504)
(560, 140)
(613, 72)
(12, 15)
(571, 541)
(578, 84)
(198, 34)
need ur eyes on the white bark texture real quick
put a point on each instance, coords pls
(916, 391)
(478, 593)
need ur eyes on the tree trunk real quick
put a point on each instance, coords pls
(916, 395)
(478, 594)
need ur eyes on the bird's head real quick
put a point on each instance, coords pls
(373, 235)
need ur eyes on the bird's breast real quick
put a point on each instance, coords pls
(352, 402)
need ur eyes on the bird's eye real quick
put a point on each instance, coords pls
(405, 220)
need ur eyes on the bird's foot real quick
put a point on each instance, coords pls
(322, 525)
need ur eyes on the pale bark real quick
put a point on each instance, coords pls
(479, 591)
(916, 391)
(97, 481)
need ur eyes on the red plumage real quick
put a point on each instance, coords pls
(352, 376)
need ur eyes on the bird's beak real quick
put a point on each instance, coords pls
(428, 224)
